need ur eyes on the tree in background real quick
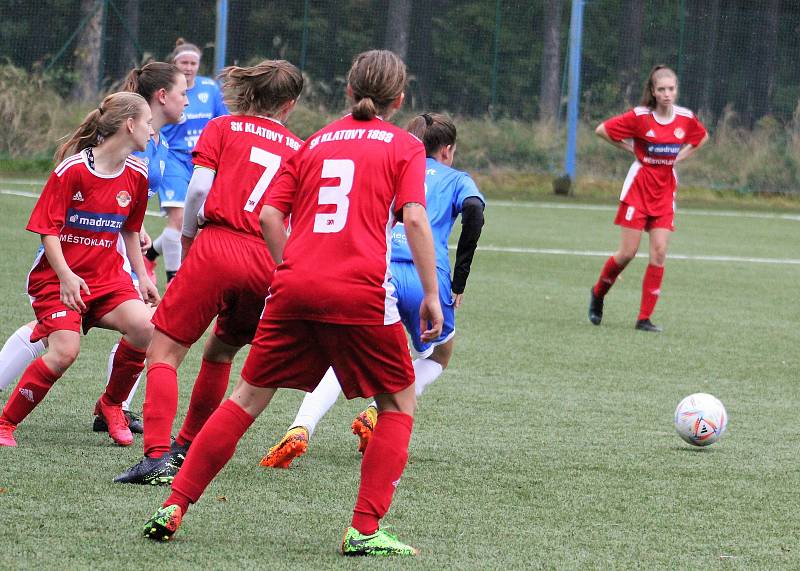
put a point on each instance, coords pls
(397, 23)
(630, 60)
(88, 51)
(550, 89)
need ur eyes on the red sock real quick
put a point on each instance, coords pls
(381, 468)
(30, 390)
(160, 408)
(209, 453)
(651, 290)
(128, 363)
(608, 275)
(209, 390)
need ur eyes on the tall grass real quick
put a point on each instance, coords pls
(737, 160)
(33, 115)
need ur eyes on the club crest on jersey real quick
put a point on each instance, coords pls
(203, 97)
(680, 133)
(123, 198)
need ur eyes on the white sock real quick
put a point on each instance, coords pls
(126, 404)
(171, 242)
(317, 403)
(157, 244)
(17, 353)
(426, 371)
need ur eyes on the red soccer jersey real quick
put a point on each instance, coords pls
(651, 182)
(87, 210)
(246, 152)
(342, 190)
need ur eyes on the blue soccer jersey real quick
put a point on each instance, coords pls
(205, 103)
(445, 191)
(155, 156)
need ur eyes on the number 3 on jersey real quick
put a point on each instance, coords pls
(331, 222)
(271, 164)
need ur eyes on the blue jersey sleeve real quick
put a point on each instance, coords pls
(466, 188)
(219, 105)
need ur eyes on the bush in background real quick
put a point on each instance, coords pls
(32, 114)
(507, 155)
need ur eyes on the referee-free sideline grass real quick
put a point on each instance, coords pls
(548, 443)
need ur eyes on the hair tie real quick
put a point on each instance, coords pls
(428, 119)
(100, 109)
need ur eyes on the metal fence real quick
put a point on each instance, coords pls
(499, 57)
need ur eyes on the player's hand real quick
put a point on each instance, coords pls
(186, 244)
(71, 287)
(144, 241)
(458, 299)
(149, 291)
(430, 318)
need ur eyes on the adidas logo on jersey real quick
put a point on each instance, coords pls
(77, 196)
(650, 133)
(27, 393)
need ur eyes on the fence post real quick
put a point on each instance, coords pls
(575, 35)
(101, 65)
(681, 35)
(221, 40)
(304, 43)
(496, 61)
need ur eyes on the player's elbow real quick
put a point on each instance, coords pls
(270, 217)
(600, 131)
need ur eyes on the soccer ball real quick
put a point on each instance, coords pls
(700, 419)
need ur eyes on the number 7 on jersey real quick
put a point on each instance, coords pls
(271, 164)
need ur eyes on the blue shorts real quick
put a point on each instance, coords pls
(409, 297)
(175, 182)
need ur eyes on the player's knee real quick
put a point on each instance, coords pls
(658, 256)
(61, 357)
(405, 401)
(140, 333)
(624, 256)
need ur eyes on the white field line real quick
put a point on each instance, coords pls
(681, 211)
(544, 205)
(557, 251)
(591, 253)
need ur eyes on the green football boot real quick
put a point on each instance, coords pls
(379, 543)
(164, 523)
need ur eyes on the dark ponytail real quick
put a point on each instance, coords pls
(434, 130)
(148, 80)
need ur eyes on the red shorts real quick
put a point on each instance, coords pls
(367, 359)
(226, 275)
(52, 315)
(630, 217)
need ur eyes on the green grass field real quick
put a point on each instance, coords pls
(547, 444)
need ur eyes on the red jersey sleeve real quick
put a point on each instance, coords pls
(136, 217)
(410, 186)
(50, 211)
(206, 152)
(625, 126)
(696, 132)
(281, 192)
